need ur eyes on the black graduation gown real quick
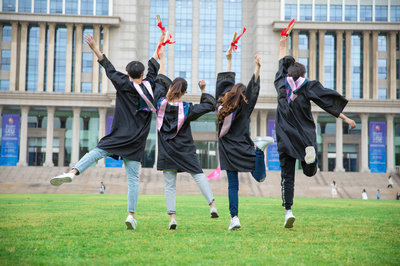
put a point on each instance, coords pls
(179, 152)
(295, 128)
(236, 149)
(131, 124)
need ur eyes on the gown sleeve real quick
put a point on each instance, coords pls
(251, 93)
(152, 69)
(207, 104)
(161, 87)
(225, 81)
(281, 74)
(119, 80)
(329, 100)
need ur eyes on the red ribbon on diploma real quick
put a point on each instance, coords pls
(233, 44)
(163, 44)
(161, 26)
(285, 32)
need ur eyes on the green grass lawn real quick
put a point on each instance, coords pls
(90, 229)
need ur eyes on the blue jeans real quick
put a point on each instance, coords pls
(132, 173)
(259, 173)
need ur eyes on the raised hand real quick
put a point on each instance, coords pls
(202, 86)
(92, 44)
(257, 59)
(351, 122)
(228, 54)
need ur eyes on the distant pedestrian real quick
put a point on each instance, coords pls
(364, 195)
(378, 195)
(390, 182)
(334, 191)
(102, 188)
(398, 196)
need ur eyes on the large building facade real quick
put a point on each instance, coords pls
(56, 102)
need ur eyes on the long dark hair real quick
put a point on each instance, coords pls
(177, 89)
(231, 100)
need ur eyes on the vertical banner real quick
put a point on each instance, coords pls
(273, 155)
(10, 140)
(377, 146)
(110, 162)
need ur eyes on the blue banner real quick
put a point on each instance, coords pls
(377, 146)
(110, 162)
(10, 140)
(273, 155)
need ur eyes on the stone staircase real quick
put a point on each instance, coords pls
(349, 185)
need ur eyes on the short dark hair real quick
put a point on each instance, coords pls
(296, 70)
(135, 69)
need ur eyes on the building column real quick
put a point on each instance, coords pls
(321, 37)
(68, 62)
(253, 124)
(23, 138)
(14, 55)
(392, 65)
(348, 64)
(75, 135)
(295, 44)
(102, 131)
(195, 46)
(22, 56)
(49, 136)
(95, 64)
(78, 58)
(106, 40)
(50, 58)
(364, 143)
(171, 29)
(339, 145)
(42, 55)
(339, 61)
(374, 60)
(366, 65)
(390, 167)
(312, 66)
(220, 38)
(263, 122)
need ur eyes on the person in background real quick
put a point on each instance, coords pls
(102, 188)
(390, 182)
(334, 191)
(364, 195)
(378, 195)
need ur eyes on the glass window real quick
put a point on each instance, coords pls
(290, 12)
(350, 13)
(41, 6)
(382, 94)
(356, 67)
(6, 33)
(207, 41)
(183, 48)
(86, 87)
(382, 69)
(394, 13)
(304, 61)
(56, 6)
(305, 12)
(86, 7)
(397, 69)
(232, 23)
(32, 61)
(320, 12)
(381, 13)
(303, 41)
(336, 13)
(102, 7)
(5, 59)
(71, 7)
(365, 13)
(87, 59)
(382, 43)
(4, 85)
(330, 61)
(9, 5)
(159, 7)
(25, 6)
(60, 56)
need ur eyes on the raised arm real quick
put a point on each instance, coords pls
(349, 121)
(92, 44)
(207, 103)
(282, 47)
(228, 55)
(257, 59)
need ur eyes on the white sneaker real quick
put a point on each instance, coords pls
(61, 179)
(235, 224)
(310, 155)
(214, 212)
(289, 219)
(263, 142)
(173, 224)
(130, 223)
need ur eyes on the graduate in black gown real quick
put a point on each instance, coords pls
(237, 152)
(176, 149)
(131, 124)
(295, 127)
